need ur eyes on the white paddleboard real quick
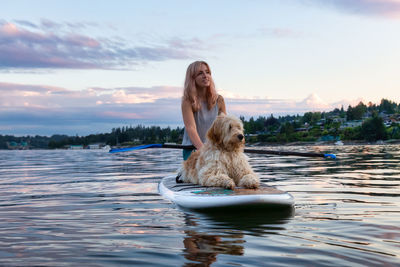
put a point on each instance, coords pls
(195, 196)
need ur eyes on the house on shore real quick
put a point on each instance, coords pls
(75, 147)
(17, 146)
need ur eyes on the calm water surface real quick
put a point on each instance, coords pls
(91, 208)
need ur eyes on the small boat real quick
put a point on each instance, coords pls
(339, 143)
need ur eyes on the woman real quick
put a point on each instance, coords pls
(200, 105)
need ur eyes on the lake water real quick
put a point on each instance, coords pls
(92, 208)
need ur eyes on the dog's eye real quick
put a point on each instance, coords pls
(230, 126)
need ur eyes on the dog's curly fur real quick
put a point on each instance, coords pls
(221, 161)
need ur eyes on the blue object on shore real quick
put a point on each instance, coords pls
(332, 156)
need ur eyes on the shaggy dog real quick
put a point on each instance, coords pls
(220, 161)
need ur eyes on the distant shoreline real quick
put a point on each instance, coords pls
(261, 144)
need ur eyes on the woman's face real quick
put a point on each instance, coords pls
(202, 77)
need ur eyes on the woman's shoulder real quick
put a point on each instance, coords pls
(187, 106)
(186, 103)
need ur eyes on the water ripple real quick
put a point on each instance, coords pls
(91, 208)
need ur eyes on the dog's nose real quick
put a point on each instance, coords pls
(240, 136)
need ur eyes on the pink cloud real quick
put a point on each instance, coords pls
(54, 109)
(9, 29)
(42, 95)
(29, 46)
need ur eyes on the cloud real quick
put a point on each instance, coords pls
(26, 23)
(40, 109)
(27, 46)
(51, 45)
(18, 95)
(384, 8)
(314, 102)
(47, 110)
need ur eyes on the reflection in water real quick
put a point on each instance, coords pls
(202, 247)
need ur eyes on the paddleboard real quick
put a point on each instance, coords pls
(193, 196)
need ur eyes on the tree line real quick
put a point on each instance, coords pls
(311, 126)
(118, 136)
(314, 126)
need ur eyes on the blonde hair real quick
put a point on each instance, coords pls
(190, 90)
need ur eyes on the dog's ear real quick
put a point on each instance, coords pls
(214, 133)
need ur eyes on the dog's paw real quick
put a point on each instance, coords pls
(250, 181)
(225, 182)
(220, 181)
(229, 184)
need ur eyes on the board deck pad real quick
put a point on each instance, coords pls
(197, 196)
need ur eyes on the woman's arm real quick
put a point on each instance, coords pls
(221, 105)
(190, 124)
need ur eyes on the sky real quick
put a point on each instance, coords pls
(85, 67)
